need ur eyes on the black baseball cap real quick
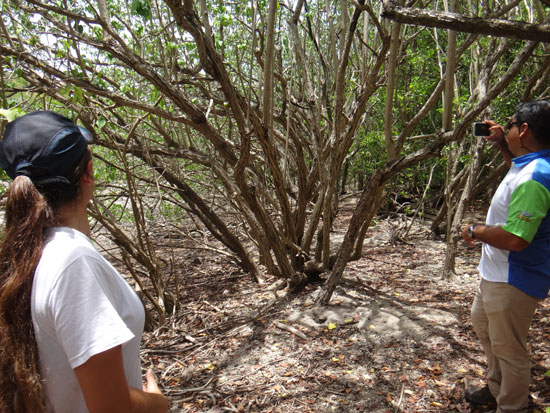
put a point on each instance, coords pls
(44, 146)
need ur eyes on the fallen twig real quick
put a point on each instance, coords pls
(293, 330)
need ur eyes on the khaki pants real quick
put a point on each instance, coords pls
(501, 316)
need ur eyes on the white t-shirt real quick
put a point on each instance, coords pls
(81, 306)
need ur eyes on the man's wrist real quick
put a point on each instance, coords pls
(471, 230)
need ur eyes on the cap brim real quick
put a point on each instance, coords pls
(87, 134)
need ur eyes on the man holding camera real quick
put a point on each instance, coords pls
(515, 261)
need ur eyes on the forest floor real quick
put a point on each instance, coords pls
(395, 337)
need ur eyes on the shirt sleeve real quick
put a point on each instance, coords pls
(528, 206)
(83, 305)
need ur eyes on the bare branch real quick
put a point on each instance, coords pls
(461, 23)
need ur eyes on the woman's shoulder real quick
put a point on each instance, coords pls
(70, 262)
(64, 239)
(64, 246)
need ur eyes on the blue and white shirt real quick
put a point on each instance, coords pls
(521, 206)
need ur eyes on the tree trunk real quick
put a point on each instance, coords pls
(453, 235)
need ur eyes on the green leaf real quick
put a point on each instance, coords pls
(65, 91)
(10, 114)
(142, 8)
(79, 95)
(100, 123)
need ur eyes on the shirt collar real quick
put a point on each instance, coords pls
(525, 159)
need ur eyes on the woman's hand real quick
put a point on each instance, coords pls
(150, 386)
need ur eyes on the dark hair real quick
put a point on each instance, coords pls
(30, 211)
(537, 115)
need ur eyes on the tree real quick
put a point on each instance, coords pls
(241, 115)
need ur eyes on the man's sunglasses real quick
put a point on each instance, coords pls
(509, 123)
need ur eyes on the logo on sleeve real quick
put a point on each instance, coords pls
(525, 216)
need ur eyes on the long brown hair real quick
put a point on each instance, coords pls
(30, 211)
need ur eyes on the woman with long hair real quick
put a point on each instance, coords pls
(70, 326)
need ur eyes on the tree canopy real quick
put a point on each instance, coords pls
(254, 118)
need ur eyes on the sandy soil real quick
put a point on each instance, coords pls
(395, 337)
